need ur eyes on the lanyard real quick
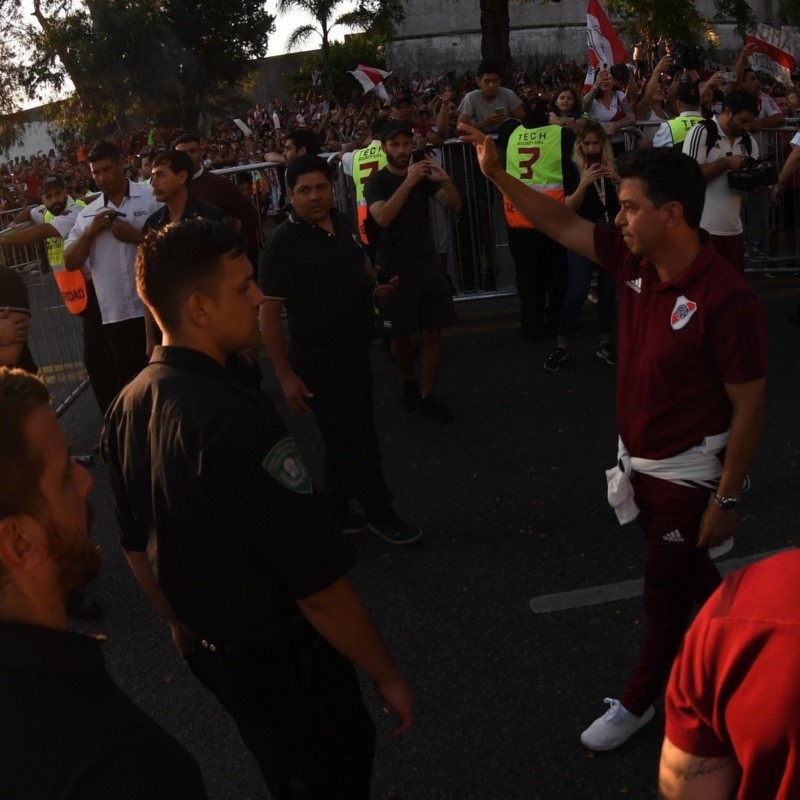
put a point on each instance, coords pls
(600, 186)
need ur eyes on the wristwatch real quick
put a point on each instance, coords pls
(729, 504)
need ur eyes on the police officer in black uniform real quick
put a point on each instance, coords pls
(247, 555)
(316, 267)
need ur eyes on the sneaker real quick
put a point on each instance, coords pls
(553, 361)
(615, 727)
(608, 353)
(430, 407)
(757, 254)
(395, 530)
(410, 396)
(352, 522)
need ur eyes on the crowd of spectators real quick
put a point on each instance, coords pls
(628, 94)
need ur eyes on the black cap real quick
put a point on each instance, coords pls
(52, 180)
(400, 99)
(394, 126)
(535, 113)
(689, 93)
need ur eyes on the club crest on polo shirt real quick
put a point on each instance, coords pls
(684, 310)
(285, 464)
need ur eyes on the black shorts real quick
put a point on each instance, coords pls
(423, 300)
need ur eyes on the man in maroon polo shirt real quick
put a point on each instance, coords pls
(690, 384)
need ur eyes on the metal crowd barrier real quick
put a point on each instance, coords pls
(473, 247)
(55, 337)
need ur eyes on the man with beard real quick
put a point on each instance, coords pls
(397, 197)
(66, 729)
(690, 392)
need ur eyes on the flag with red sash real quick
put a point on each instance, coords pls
(605, 46)
(774, 53)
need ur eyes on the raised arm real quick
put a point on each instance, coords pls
(552, 218)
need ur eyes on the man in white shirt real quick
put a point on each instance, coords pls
(730, 144)
(105, 239)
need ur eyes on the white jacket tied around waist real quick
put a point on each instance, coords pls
(697, 467)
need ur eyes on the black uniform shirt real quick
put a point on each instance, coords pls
(207, 464)
(67, 731)
(323, 279)
(195, 207)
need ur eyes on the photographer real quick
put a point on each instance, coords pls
(721, 145)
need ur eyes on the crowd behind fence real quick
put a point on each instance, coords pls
(473, 248)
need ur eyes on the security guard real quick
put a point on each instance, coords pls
(316, 267)
(673, 132)
(535, 154)
(247, 555)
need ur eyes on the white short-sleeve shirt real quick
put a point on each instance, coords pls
(111, 261)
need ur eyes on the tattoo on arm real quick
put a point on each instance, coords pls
(706, 766)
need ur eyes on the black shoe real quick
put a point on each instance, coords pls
(395, 530)
(83, 607)
(410, 396)
(608, 353)
(430, 407)
(553, 362)
(352, 522)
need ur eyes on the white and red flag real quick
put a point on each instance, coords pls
(605, 46)
(774, 52)
(371, 79)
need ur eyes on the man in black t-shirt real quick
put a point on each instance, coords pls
(397, 197)
(317, 268)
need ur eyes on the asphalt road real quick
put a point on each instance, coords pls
(512, 501)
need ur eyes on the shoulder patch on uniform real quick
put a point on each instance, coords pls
(285, 464)
(682, 312)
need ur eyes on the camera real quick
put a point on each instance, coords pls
(686, 56)
(755, 172)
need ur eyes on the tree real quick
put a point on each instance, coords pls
(650, 19)
(378, 18)
(136, 56)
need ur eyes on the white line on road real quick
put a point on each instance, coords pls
(564, 601)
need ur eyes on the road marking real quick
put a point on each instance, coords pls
(580, 598)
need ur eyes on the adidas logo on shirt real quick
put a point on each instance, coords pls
(673, 536)
(636, 285)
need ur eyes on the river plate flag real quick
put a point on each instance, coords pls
(605, 46)
(774, 53)
(371, 78)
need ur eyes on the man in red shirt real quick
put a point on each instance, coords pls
(690, 384)
(733, 696)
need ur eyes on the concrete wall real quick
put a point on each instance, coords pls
(439, 35)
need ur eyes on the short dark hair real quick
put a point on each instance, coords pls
(303, 137)
(243, 178)
(103, 150)
(177, 161)
(186, 138)
(490, 67)
(20, 468)
(669, 176)
(303, 166)
(180, 258)
(739, 101)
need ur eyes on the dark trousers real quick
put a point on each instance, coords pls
(578, 285)
(541, 269)
(301, 715)
(97, 354)
(342, 404)
(677, 574)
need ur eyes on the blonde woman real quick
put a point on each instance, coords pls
(590, 185)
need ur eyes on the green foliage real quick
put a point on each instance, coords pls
(356, 49)
(153, 58)
(790, 11)
(678, 20)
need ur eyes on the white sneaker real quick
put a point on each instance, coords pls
(615, 727)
